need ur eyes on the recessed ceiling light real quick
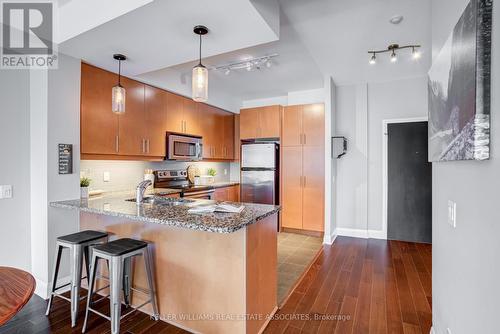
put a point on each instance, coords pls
(396, 19)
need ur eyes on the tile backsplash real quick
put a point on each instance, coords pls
(125, 175)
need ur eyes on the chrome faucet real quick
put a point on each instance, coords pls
(141, 188)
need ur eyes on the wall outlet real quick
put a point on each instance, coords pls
(106, 176)
(5, 191)
(452, 213)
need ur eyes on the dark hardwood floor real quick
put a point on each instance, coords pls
(355, 286)
(371, 286)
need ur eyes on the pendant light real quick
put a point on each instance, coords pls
(118, 92)
(200, 73)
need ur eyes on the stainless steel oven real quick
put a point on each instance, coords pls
(184, 147)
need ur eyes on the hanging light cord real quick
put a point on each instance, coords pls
(200, 50)
(119, 72)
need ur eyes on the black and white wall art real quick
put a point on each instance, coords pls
(459, 89)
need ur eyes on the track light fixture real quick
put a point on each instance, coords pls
(249, 64)
(392, 49)
(373, 59)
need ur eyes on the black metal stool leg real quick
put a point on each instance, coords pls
(57, 261)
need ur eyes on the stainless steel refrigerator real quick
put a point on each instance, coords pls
(259, 173)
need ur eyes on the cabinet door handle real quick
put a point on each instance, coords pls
(117, 144)
(305, 139)
(300, 138)
(147, 145)
(304, 182)
(143, 145)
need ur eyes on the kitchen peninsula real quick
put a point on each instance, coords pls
(214, 273)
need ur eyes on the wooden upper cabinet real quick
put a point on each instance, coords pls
(228, 143)
(175, 117)
(219, 139)
(98, 124)
(150, 112)
(262, 122)
(292, 126)
(314, 124)
(207, 124)
(249, 123)
(191, 117)
(156, 120)
(132, 123)
(237, 140)
(270, 122)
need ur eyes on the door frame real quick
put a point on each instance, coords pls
(385, 181)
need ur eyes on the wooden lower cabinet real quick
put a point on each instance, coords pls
(230, 193)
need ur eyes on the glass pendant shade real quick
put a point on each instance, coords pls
(118, 99)
(200, 83)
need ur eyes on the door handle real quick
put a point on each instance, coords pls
(117, 144)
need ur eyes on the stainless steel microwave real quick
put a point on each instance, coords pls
(184, 147)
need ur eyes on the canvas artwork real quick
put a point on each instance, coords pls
(459, 89)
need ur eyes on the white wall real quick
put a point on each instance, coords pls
(361, 110)
(55, 119)
(292, 98)
(125, 175)
(466, 260)
(15, 168)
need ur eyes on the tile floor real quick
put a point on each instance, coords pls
(295, 253)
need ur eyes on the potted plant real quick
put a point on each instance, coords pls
(84, 187)
(211, 172)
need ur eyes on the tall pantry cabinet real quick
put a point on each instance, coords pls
(303, 167)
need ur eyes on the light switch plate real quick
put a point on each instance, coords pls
(452, 213)
(106, 176)
(5, 191)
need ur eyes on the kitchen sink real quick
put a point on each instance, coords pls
(167, 201)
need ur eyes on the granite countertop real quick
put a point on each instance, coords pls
(172, 215)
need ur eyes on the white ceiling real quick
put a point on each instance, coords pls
(294, 69)
(316, 38)
(160, 34)
(338, 34)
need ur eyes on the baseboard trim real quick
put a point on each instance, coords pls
(359, 233)
(42, 287)
(330, 239)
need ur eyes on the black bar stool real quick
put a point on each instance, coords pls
(118, 254)
(78, 245)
